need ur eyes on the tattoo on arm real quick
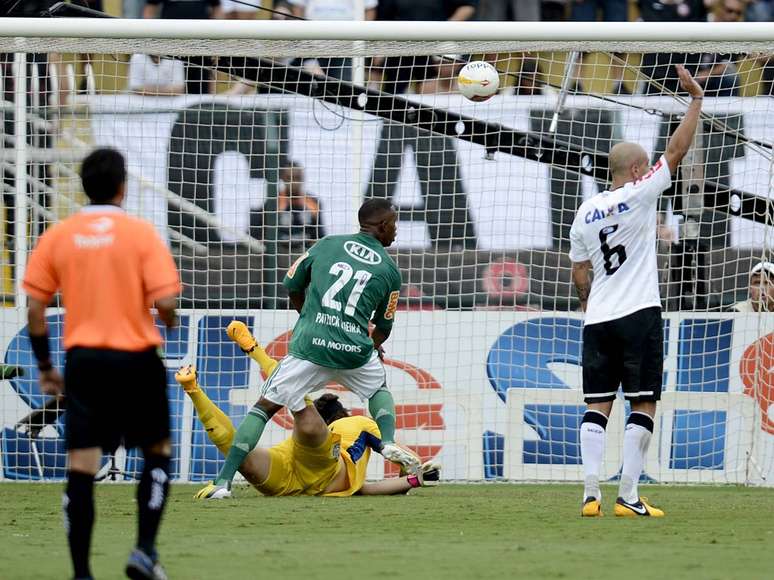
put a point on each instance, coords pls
(583, 291)
(582, 281)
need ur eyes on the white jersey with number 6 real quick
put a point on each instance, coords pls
(616, 231)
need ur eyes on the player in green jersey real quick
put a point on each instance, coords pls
(338, 287)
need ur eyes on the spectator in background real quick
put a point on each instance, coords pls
(507, 10)
(444, 207)
(281, 10)
(528, 81)
(198, 73)
(298, 212)
(552, 10)
(612, 11)
(133, 8)
(238, 11)
(337, 67)
(760, 11)
(444, 79)
(659, 68)
(763, 11)
(761, 291)
(718, 73)
(42, 112)
(396, 73)
(150, 75)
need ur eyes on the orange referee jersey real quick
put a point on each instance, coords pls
(110, 267)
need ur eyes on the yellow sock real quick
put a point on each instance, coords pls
(267, 363)
(217, 425)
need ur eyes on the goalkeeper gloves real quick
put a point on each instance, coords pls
(429, 474)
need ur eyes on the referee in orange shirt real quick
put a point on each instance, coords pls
(111, 269)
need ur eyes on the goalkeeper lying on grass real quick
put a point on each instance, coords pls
(327, 454)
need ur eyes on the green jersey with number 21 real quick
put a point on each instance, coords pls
(349, 280)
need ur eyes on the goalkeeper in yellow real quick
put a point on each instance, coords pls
(327, 454)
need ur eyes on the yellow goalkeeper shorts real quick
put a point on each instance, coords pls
(299, 470)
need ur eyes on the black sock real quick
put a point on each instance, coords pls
(151, 498)
(78, 508)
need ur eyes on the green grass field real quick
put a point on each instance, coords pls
(454, 531)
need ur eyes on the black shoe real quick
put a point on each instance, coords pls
(140, 566)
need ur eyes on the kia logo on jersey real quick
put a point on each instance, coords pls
(362, 253)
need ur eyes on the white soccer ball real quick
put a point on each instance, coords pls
(478, 80)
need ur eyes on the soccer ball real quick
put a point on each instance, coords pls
(478, 80)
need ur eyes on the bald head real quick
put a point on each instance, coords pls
(628, 162)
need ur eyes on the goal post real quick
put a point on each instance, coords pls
(248, 141)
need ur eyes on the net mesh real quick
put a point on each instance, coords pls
(242, 163)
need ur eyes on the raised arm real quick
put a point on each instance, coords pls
(683, 136)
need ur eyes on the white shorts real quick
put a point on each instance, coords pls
(294, 378)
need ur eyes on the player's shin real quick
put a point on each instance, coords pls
(639, 430)
(151, 498)
(259, 355)
(217, 425)
(78, 508)
(592, 440)
(245, 438)
(382, 408)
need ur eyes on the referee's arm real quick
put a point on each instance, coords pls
(51, 382)
(166, 308)
(41, 282)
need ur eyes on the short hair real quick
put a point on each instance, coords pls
(330, 408)
(372, 208)
(102, 173)
(623, 155)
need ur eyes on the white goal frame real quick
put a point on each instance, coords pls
(268, 39)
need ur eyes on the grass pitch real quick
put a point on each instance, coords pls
(454, 531)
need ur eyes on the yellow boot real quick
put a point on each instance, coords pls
(240, 334)
(217, 425)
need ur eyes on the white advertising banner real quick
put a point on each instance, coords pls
(508, 197)
(490, 395)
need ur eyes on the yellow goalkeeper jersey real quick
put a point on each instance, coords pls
(359, 435)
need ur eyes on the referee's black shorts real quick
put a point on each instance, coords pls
(629, 352)
(115, 398)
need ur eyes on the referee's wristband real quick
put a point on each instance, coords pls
(40, 349)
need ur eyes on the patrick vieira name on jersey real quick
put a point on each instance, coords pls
(336, 322)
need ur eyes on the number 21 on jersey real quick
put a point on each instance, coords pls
(344, 273)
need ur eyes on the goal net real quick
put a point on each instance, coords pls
(246, 144)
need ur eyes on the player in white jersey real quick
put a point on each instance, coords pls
(614, 236)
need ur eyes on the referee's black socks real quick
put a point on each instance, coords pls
(78, 508)
(151, 497)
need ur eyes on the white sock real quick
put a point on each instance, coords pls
(592, 442)
(639, 430)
